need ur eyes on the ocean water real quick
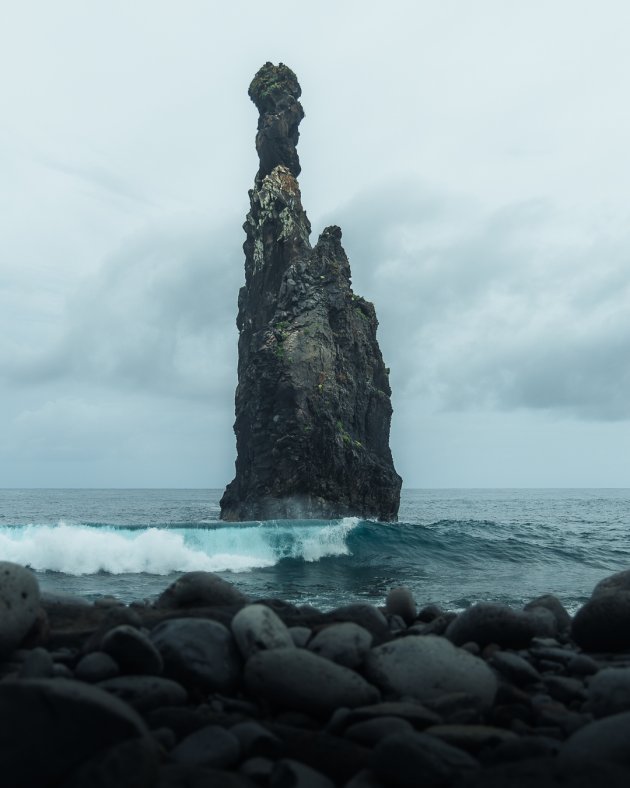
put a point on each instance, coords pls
(451, 547)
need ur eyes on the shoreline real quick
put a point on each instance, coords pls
(206, 686)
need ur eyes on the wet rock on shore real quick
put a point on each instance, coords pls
(205, 687)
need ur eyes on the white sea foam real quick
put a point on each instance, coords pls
(85, 550)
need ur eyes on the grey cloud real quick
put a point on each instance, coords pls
(99, 176)
(481, 311)
(158, 317)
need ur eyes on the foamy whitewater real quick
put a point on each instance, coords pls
(452, 547)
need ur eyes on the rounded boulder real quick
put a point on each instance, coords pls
(256, 628)
(603, 623)
(132, 650)
(198, 653)
(345, 643)
(200, 589)
(400, 602)
(19, 605)
(57, 725)
(609, 692)
(428, 667)
(486, 623)
(294, 678)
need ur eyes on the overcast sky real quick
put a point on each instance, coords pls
(474, 154)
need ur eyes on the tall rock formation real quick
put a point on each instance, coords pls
(313, 404)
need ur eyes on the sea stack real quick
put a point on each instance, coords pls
(313, 406)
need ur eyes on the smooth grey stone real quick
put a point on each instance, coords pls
(57, 725)
(619, 581)
(582, 665)
(437, 626)
(164, 737)
(182, 720)
(50, 600)
(471, 738)
(418, 716)
(609, 692)
(515, 668)
(345, 643)
(400, 602)
(396, 624)
(603, 740)
(37, 665)
(555, 607)
(132, 650)
(61, 671)
(96, 666)
(108, 601)
(128, 764)
(422, 667)
(300, 636)
(487, 622)
(522, 747)
(370, 732)
(257, 769)
(545, 772)
(254, 739)
(183, 775)
(200, 589)
(146, 692)
(564, 689)
(199, 653)
(364, 779)
(294, 678)
(429, 613)
(408, 760)
(457, 708)
(257, 627)
(552, 654)
(211, 745)
(366, 616)
(288, 773)
(603, 623)
(19, 605)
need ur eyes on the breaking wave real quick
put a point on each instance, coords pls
(91, 549)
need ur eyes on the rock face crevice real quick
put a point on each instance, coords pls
(313, 406)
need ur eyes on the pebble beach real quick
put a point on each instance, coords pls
(206, 687)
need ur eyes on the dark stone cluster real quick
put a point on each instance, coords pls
(204, 687)
(313, 407)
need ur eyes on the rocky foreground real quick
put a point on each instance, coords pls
(204, 687)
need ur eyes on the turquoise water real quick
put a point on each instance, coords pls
(453, 547)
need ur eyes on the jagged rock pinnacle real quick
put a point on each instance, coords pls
(275, 92)
(313, 404)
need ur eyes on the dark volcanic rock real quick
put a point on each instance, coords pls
(313, 404)
(425, 668)
(51, 726)
(195, 589)
(487, 622)
(294, 678)
(603, 623)
(407, 760)
(19, 604)
(198, 652)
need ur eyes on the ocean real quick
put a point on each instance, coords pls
(451, 547)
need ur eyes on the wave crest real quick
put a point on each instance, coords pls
(86, 550)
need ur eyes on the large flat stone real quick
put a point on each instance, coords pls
(425, 668)
(199, 653)
(50, 726)
(19, 605)
(298, 679)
